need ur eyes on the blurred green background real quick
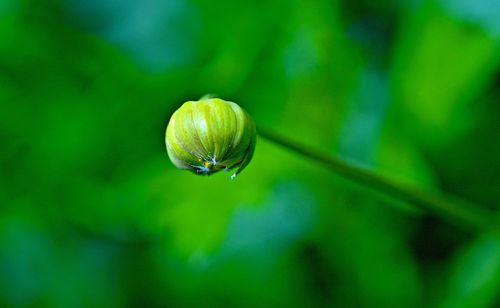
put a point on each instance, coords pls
(93, 214)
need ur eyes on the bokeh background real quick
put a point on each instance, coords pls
(93, 214)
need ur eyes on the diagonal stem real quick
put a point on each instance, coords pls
(448, 207)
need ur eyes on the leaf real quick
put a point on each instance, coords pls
(475, 275)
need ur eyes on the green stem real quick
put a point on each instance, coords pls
(447, 207)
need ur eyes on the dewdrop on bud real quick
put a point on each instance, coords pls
(210, 135)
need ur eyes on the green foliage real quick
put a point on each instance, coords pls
(93, 214)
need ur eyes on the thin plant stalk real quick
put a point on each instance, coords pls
(445, 206)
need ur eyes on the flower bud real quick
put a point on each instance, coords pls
(209, 135)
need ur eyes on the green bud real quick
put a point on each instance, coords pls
(210, 135)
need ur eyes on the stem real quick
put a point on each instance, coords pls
(447, 207)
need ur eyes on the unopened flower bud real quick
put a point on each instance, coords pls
(210, 135)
